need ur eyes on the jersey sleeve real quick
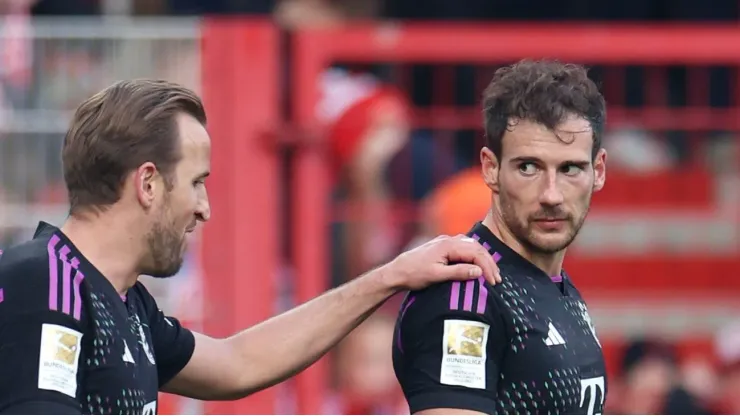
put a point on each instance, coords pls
(449, 343)
(173, 343)
(42, 335)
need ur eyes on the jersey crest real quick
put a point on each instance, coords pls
(139, 327)
(587, 318)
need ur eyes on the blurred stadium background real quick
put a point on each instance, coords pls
(346, 131)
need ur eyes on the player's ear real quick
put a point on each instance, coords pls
(599, 170)
(489, 168)
(145, 180)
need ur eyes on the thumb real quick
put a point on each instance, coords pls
(460, 272)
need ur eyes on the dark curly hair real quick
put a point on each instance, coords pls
(545, 92)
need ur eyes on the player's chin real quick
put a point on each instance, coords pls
(550, 242)
(168, 270)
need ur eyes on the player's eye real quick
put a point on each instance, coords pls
(199, 182)
(528, 168)
(571, 170)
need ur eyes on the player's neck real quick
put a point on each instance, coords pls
(106, 246)
(551, 264)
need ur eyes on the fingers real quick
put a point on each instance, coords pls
(432, 262)
(460, 271)
(466, 250)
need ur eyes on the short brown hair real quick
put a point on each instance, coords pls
(116, 131)
(545, 92)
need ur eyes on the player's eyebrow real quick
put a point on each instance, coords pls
(580, 163)
(525, 159)
(203, 175)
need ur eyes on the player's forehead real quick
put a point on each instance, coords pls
(570, 140)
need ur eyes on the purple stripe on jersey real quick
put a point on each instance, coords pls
(79, 277)
(2, 294)
(75, 262)
(455, 296)
(53, 273)
(557, 279)
(482, 295)
(63, 253)
(468, 305)
(496, 257)
(476, 237)
(403, 313)
(66, 287)
(486, 246)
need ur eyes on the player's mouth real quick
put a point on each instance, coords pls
(551, 224)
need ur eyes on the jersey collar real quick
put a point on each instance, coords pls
(44, 229)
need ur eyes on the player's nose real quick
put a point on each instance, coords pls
(203, 210)
(551, 193)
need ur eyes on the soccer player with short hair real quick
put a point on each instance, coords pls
(80, 335)
(528, 344)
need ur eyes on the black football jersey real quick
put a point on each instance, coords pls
(70, 344)
(526, 345)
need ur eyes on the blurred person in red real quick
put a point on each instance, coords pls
(695, 390)
(648, 373)
(727, 346)
(16, 51)
(367, 123)
(456, 203)
(365, 382)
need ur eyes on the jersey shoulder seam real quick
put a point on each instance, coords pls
(46, 268)
(467, 299)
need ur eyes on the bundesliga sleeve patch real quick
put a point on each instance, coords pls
(59, 359)
(464, 354)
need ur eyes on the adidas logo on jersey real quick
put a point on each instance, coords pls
(553, 337)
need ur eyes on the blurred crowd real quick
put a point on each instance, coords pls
(395, 185)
